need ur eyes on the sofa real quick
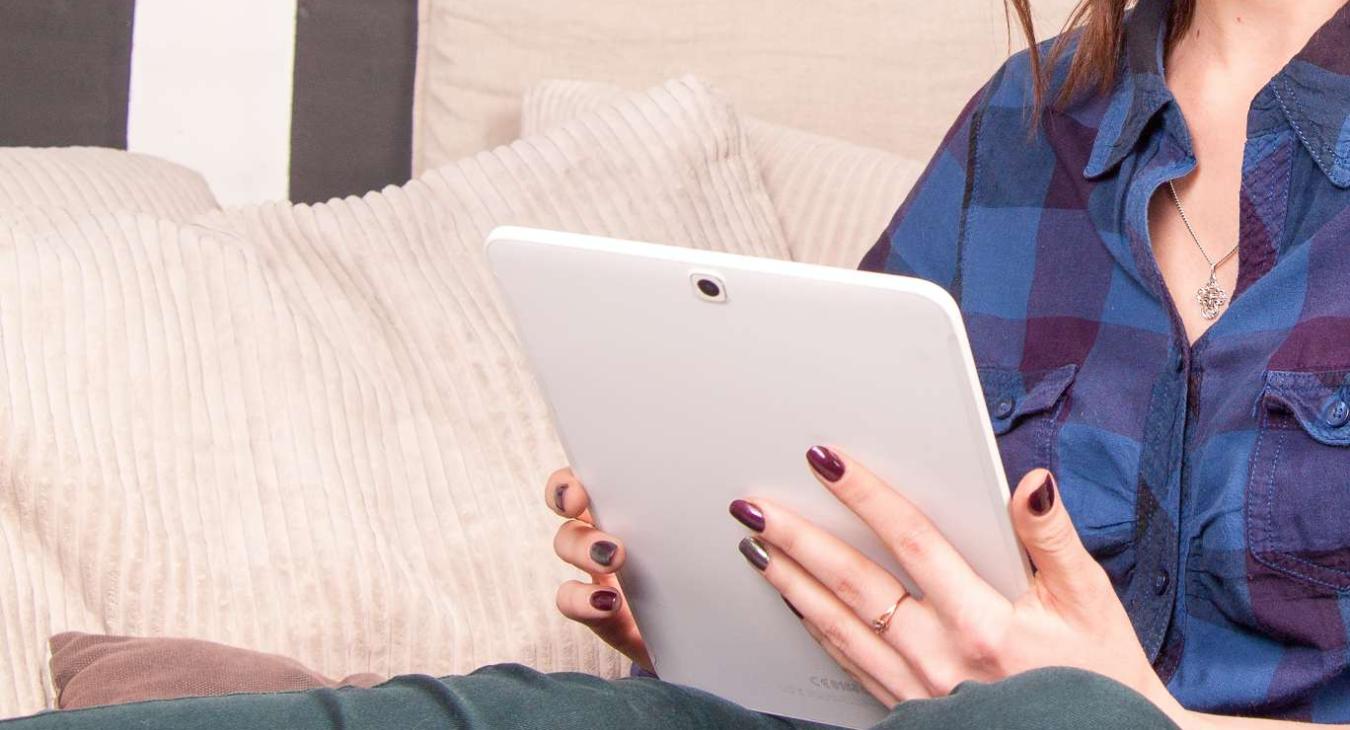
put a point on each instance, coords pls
(308, 429)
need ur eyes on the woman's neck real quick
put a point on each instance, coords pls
(1253, 37)
(1229, 53)
(1234, 47)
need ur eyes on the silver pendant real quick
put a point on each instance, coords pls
(1212, 298)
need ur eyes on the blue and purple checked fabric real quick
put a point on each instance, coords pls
(1212, 481)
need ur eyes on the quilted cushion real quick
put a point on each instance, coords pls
(890, 74)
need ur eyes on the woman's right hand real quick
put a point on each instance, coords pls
(598, 604)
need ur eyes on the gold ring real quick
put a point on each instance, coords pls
(883, 621)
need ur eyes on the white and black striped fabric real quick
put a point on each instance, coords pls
(269, 99)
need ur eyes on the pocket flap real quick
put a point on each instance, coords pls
(1010, 393)
(1319, 401)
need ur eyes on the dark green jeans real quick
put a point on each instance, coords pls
(511, 696)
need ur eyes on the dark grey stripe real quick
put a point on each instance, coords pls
(351, 119)
(65, 68)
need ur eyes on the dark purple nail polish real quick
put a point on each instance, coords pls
(792, 608)
(1043, 499)
(825, 462)
(602, 552)
(755, 552)
(748, 514)
(560, 496)
(604, 600)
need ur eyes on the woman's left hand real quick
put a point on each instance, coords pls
(961, 629)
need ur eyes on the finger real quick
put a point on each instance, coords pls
(857, 581)
(862, 585)
(564, 495)
(836, 622)
(1063, 566)
(869, 683)
(941, 574)
(603, 609)
(588, 548)
(589, 603)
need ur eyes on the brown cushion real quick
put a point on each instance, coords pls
(91, 669)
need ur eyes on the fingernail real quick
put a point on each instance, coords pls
(603, 551)
(1043, 499)
(604, 600)
(748, 514)
(559, 496)
(754, 551)
(792, 608)
(825, 462)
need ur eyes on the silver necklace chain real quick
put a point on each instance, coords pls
(1211, 297)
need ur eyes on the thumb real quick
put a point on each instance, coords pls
(1063, 565)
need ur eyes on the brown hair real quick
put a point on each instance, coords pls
(1100, 44)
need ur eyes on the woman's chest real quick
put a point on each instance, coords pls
(1212, 481)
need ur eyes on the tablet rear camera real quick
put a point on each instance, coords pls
(709, 288)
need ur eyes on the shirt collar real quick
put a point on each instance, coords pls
(1313, 92)
(1140, 90)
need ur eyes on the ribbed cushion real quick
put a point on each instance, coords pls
(833, 198)
(308, 430)
(96, 179)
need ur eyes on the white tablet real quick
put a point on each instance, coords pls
(682, 379)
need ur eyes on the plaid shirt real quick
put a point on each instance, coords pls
(1211, 480)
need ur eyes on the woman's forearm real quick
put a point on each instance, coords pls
(1201, 721)
(1192, 720)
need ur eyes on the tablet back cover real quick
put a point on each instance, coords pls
(670, 404)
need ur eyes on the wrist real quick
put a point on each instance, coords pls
(1192, 720)
(1168, 705)
(1182, 717)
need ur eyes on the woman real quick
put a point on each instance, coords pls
(1192, 394)
(1193, 401)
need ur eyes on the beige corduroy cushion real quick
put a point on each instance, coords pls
(98, 179)
(308, 430)
(833, 198)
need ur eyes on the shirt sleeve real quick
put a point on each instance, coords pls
(922, 238)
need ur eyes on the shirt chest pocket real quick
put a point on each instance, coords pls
(1298, 493)
(1024, 409)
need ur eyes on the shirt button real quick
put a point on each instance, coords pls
(1003, 408)
(1337, 413)
(1161, 579)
